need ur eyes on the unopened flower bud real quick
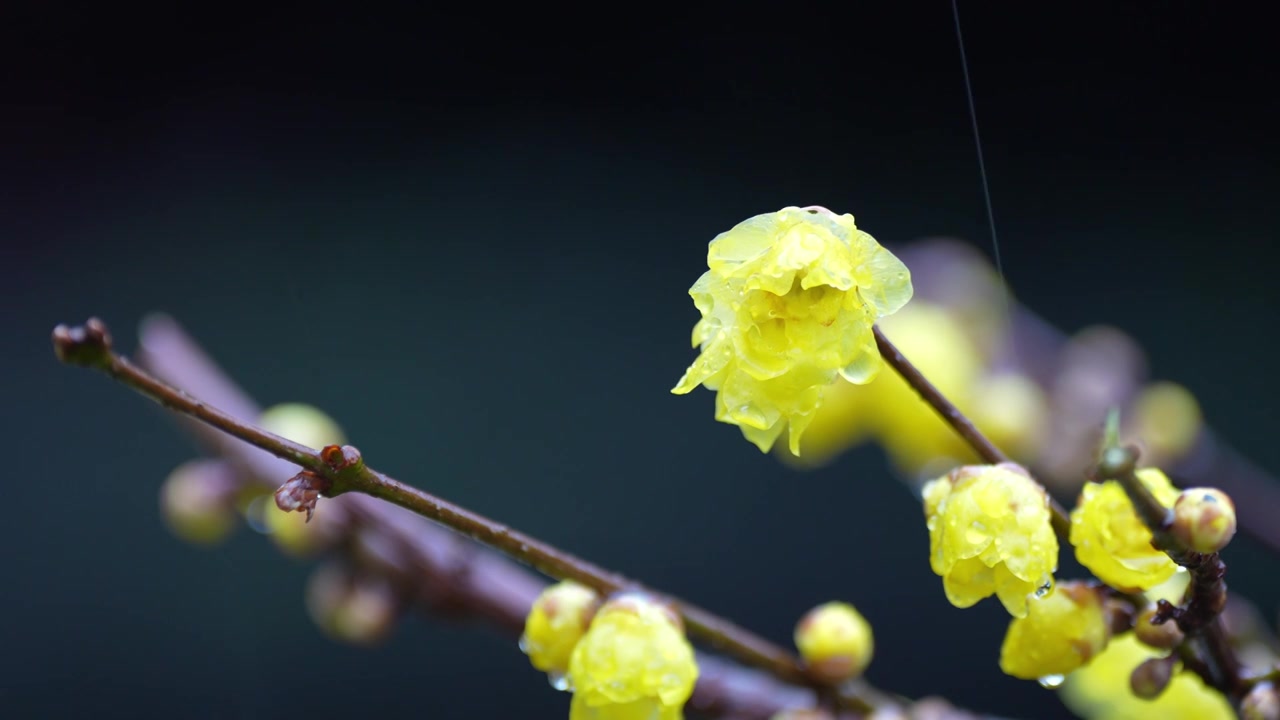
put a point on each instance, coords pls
(302, 424)
(1204, 519)
(351, 607)
(301, 534)
(1150, 678)
(556, 622)
(1262, 703)
(197, 501)
(1164, 636)
(835, 642)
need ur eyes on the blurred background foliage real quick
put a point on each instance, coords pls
(469, 238)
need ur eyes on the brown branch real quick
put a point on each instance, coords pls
(90, 346)
(958, 421)
(1200, 617)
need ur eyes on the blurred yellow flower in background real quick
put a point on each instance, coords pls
(1100, 690)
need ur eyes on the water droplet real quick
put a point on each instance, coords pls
(524, 644)
(1051, 681)
(751, 415)
(1044, 589)
(559, 681)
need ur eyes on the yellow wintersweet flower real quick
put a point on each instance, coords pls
(1113, 542)
(990, 534)
(1062, 631)
(1100, 690)
(634, 663)
(787, 304)
(556, 622)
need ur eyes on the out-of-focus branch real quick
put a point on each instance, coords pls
(450, 574)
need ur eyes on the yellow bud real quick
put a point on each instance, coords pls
(291, 532)
(1013, 412)
(1062, 631)
(1167, 419)
(1204, 519)
(835, 642)
(556, 622)
(197, 502)
(303, 424)
(351, 608)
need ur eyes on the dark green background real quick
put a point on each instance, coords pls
(469, 237)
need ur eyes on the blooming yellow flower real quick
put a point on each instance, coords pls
(1100, 690)
(990, 534)
(634, 663)
(787, 304)
(1112, 541)
(556, 622)
(1062, 631)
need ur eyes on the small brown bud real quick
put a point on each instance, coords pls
(1150, 678)
(1163, 636)
(88, 344)
(1262, 703)
(1204, 519)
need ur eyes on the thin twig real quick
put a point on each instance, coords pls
(446, 574)
(344, 471)
(958, 421)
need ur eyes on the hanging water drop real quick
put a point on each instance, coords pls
(1051, 681)
(559, 681)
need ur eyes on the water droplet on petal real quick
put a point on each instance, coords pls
(1051, 681)
(524, 644)
(559, 681)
